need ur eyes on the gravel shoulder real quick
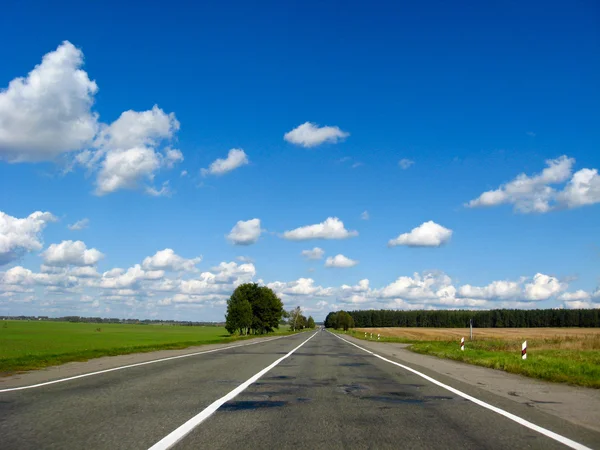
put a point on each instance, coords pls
(577, 405)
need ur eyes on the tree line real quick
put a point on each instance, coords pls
(496, 318)
(254, 309)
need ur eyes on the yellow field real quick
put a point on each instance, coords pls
(564, 338)
(446, 334)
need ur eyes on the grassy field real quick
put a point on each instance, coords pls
(567, 355)
(26, 345)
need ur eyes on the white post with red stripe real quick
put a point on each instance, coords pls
(524, 350)
(462, 344)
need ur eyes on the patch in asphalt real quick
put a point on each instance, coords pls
(352, 388)
(249, 405)
(352, 364)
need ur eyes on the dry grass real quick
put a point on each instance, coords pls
(541, 338)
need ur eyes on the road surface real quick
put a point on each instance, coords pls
(326, 394)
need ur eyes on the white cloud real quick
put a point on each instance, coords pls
(583, 189)
(315, 253)
(340, 261)
(543, 287)
(405, 163)
(164, 191)
(84, 272)
(235, 158)
(130, 279)
(135, 129)
(48, 112)
(535, 195)
(129, 146)
(18, 236)
(332, 228)
(540, 287)
(79, 225)
(310, 135)
(299, 287)
(575, 296)
(73, 253)
(167, 259)
(496, 290)
(183, 173)
(428, 234)
(365, 215)
(245, 232)
(578, 304)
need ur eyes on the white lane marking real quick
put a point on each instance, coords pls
(552, 435)
(187, 355)
(175, 436)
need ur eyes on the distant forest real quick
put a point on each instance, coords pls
(496, 318)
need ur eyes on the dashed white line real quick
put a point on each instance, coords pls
(175, 436)
(552, 435)
(187, 355)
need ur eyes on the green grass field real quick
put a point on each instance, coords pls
(26, 345)
(572, 359)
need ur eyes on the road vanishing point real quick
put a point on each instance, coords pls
(313, 390)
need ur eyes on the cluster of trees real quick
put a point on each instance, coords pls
(297, 321)
(497, 318)
(340, 319)
(81, 319)
(253, 309)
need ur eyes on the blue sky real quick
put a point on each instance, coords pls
(470, 96)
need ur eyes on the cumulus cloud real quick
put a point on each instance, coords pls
(245, 232)
(542, 287)
(405, 163)
(315, 253)
(18, 236)
(579, 295)
(340, 261)
(235, 158)
(310, 135)
(365, 215)
(299, 287)
(79, 225)
(332, 228)
(120, 279)
(428, 234)
(534, 194)
(71, 253)
(167, 259)
(129, 147)
(48, 112)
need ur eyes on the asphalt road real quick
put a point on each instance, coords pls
(327, 394)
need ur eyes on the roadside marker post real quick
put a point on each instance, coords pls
(371, 335)
(524, 350)
(462, 344)
(378, 337)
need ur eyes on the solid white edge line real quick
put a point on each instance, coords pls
(176, 435)
(187, 355)
(552, 435)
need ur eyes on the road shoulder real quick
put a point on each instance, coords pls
(577, 405)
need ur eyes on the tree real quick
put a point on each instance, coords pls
(344, 320)
(239, 313)
(296, 319)
(266, 308)
(310, 323)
